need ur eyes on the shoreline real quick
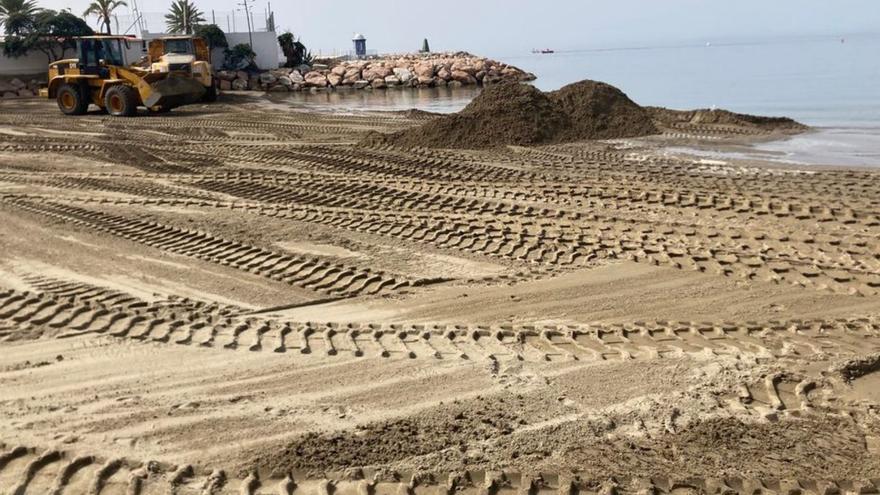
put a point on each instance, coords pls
(727, 151)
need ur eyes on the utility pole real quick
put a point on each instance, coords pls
(247, 16)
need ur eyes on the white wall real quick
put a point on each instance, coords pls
(36, 62)
(32, 63)
(265, 46)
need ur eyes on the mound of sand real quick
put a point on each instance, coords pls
(518, 114)
(726, 117)
(601, 111)
(502, 114)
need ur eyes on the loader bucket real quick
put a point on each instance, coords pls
(174, 91)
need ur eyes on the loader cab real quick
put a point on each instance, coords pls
(97, 53)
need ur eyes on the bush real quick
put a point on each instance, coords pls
(240, 57)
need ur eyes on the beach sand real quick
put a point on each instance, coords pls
(241, 299)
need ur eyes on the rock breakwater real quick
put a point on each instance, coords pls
(404, 71)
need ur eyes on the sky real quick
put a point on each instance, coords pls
(513, 27)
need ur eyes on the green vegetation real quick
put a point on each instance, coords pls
(47, 31)
(183, 17)
(294, 50)
(240, 56)
(103, 10)
(214, 36)
(17, 16)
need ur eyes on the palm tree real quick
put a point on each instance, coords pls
(183, 17)
(103, 10)
(17, 15)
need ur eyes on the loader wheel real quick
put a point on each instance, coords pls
(72, 100)
(211, 93)
(120, 101)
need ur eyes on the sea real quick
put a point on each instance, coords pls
(831, 83)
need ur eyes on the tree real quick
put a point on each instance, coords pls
(183, 17)
(294, 51)
(56, 32)
(50, 32)
(213, 35)
(103, 10)
(425, 47)
(240, 56)
(17, 16)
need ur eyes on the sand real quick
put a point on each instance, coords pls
(240, 299)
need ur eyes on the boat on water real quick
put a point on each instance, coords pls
(545, 51)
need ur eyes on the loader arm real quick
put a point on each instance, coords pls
(144, 88)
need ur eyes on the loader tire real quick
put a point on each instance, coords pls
(211, 93)
(120, 101)
(72, 99)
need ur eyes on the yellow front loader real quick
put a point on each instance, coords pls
(101, 76)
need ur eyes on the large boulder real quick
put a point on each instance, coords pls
(378, 84)
(296, 76)
(392, 81)
(315, 79)
(463, 67)
(303, 68)
(463, 77)
(353, 73)
(240, 84)
(225, 85)
(278, 88)
(267, 78)
(17, 84)
(334, 79)
(360, 84)
(339, 70)
(25, 92)
(240, 74)
(285, 81)
(404, 75)
(376, 71)
(444, 74)
(226, 75)
(5, 87)
(424, 70)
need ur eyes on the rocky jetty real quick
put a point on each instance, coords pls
(406, 71)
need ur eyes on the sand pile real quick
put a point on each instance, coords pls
(725, 117)
(601, 111)
(502, 114)
(519, 114)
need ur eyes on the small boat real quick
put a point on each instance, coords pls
(545, 51)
